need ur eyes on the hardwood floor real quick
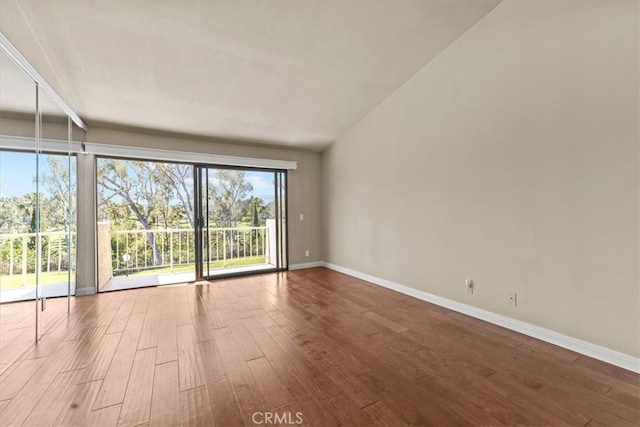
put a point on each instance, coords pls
(312, 345)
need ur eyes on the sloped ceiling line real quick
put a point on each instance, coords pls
(284, 73)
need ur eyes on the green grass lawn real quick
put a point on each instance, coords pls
(237, 262)
(166, 270)
(16, 280)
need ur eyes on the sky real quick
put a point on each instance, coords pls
(18, 170)
(262, 184)
(17, 173)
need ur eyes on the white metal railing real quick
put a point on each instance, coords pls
(135, 250)
(132, 250)
(18, 254)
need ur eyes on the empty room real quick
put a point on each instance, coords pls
(320, 213)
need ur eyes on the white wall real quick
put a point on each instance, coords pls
(512, 158)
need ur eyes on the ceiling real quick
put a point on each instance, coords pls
(296, 73)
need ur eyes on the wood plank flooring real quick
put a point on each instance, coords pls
(311, 346)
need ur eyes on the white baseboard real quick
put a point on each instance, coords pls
(306, 265)
(583, 347)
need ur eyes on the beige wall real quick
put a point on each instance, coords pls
(86, 250)
(304, 183)
(103, 254)
(15, 126)
(512, 158)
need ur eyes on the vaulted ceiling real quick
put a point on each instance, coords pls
(296, 73)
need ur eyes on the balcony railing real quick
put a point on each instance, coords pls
(136, 250)
(131, 251)
(18, 254)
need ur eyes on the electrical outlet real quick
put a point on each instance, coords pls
(306, 253)
(469, 284)
(301, 217)
(512, 298)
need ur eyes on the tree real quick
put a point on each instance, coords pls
(228, 195)
(134, 184)
(270, 210)
(60, 184)
(257, 210)
(180, 177)
(11, 215)
(148, 191)
(27, 206)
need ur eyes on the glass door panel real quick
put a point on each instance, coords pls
(21, 218)
(52, 215)
(57, 205)
(280, 181)
(145, 223)
(241, 221)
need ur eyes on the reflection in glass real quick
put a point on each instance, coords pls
(34, 212)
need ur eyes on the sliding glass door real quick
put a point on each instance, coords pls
(163, 223)
(241, 224)
(145, 230)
